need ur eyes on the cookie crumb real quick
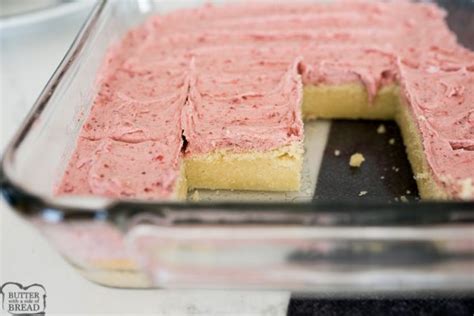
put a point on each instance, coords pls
(337, 152)
(356, 160)
(195, 196)
(391, 141)
(381, 129)
(403, 199)
(362, 193)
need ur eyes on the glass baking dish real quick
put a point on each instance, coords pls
(302, 241)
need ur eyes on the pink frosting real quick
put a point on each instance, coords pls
(112, 168)
(258, 110)
(230, 77)
(442, 102)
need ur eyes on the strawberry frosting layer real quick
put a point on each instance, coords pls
(260, 110)
(442, 103)
(114, 168)
(230, 77)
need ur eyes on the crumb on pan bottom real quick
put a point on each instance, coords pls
(356, 160)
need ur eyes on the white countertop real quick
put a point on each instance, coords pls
(28, 57)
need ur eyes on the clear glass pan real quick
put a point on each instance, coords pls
(306, 245)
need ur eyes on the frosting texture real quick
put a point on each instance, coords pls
(230, 78)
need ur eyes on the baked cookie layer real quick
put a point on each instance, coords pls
(273, 170)
(348, 101)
